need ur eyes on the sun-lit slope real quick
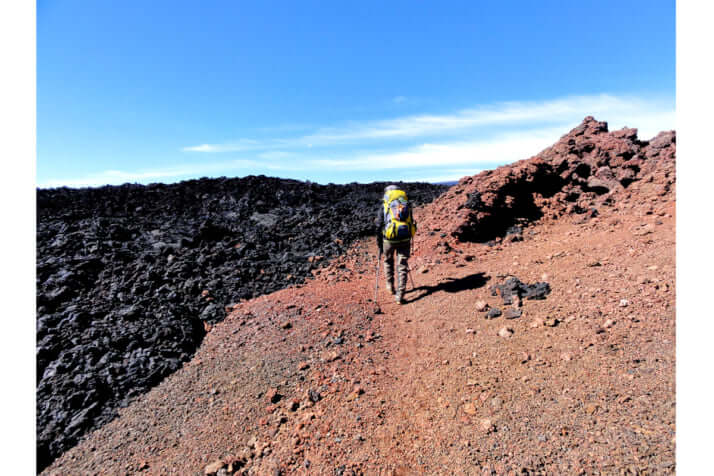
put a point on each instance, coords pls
(308, 380)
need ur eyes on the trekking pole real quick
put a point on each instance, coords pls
(409, 271)
(377, 310)
(409, 268)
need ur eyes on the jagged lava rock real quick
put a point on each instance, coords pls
(129, 278)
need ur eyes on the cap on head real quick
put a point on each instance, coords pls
(390, 188)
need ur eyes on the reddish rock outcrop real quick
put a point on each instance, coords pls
(586, 169)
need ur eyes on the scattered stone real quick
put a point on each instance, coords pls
(303, 366)
(511, 313)
(594, 263)
(608, 324)
(469, 408)
(273, 396)
(645, 230)
(481, 305)
(314, 395)
(566, 356)
(286, 325)
(537, 322)
(214, 467)
(505, 332)
(551, 322)
(493, 313)
(487, 426)
(624, 302)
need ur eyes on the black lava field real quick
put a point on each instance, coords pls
(127, 275)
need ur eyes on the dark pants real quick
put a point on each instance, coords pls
(402, 252)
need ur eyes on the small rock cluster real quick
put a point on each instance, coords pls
(512, 290)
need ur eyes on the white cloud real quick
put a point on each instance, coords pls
(501, 149)
(438, 147)
(563, 110)
(648, 124)
(652, 113)
(237, 146)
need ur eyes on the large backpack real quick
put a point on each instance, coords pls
(399, 225)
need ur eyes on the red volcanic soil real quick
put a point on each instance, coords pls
(309, 380)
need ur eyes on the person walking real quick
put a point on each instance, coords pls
(395, 229)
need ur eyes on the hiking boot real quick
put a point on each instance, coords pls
(390, 288)
(398, 299)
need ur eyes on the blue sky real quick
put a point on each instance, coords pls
(164, 91)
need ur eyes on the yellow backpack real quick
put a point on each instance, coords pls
(399, 225)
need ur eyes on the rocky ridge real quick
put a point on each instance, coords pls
(588, 169)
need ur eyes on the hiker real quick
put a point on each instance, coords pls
(395, 229)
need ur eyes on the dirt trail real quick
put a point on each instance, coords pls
(309, 381)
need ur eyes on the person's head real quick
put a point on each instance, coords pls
(389, 188)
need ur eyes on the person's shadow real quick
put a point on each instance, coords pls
(452, 285)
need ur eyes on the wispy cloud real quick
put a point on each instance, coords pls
(466, 121)
(503, 148)
(240, 145)
(412, 147)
